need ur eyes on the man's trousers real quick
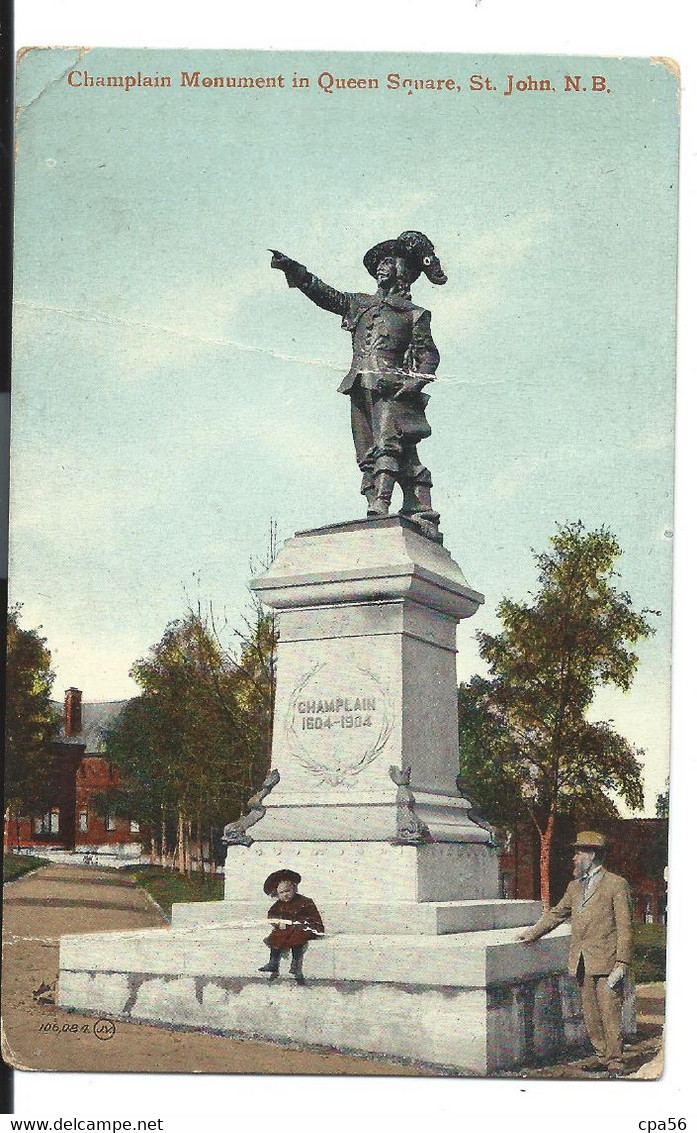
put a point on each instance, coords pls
(602, 1014)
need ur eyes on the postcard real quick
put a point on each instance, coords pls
(340, 564)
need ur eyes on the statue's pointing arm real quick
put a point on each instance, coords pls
(320, 293)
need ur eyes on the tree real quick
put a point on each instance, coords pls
(663, 802)
(530, 729)
(489, 780)
(197, 742)
(31, 720)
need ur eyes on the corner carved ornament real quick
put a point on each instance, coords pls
(474, 814)
(235, 833)
(411, 831)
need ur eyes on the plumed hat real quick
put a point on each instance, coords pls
(590, 840)
(274, 880)
(416, 249)
(392, 248)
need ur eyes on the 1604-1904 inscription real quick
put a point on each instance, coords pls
(336, 712)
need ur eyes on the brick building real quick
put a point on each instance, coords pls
(638, 851)
(79, 774)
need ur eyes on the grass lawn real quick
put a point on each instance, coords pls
(649, 953)
(168, 887)
(15, 865)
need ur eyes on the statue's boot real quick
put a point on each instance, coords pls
(416, 484)
(368, 488)
(384, 480)
(384, 487)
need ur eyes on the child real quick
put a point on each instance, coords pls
(302, 923)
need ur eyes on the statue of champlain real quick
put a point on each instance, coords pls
(394, 357)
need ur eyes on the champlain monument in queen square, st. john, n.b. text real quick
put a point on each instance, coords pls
(419, 958)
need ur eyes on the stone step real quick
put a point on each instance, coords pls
(468, 959)
(429, 918)
(475, 1001)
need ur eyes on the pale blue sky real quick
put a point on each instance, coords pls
(171, 394)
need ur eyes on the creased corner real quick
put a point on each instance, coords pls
(9, 1055)
(672, 66)
(22, 54)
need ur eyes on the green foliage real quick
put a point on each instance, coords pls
(196, 743)
(168, 888)
(527, 743)
(31, 720)
(649, 953)
(16, 865)
(490, 780)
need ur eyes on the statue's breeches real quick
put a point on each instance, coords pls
(386, 430)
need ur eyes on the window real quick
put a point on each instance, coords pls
(111, 821)
(82, 821)
(135, 826)
(49, 823)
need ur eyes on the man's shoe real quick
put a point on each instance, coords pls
(593, 1063)
(269, 968)
(300, 979)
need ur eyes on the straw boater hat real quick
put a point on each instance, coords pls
(274, 880)
(590, 840)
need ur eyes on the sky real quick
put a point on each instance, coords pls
(171, 395)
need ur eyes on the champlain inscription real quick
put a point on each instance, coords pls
(337, 735)
(346, 711)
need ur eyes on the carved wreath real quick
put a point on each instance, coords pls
(339, 774)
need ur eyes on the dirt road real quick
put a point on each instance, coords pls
(58, 900)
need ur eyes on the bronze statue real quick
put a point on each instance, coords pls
(394, 357)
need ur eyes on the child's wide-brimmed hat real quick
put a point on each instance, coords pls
(274, 880)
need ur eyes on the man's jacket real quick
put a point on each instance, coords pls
(390, 334)
(601, 929)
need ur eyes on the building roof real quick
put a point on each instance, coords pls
(97, 716)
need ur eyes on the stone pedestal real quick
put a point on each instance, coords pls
(367, 614)
(419, 960)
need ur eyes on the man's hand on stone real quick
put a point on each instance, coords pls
(525, 936)
(616, 975)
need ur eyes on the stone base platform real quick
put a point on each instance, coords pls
(475, 1002)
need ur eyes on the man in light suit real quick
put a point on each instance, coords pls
(394, 357)
(599, 905)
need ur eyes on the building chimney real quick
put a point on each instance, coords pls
(72, 712)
